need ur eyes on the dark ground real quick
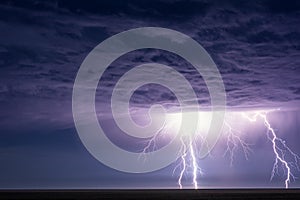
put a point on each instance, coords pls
(153, 194)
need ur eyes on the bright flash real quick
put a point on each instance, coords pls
(203, 124)
(234, 126)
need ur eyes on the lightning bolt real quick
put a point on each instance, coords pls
(188, 151)
(187, 161)
(233, 142)
(194, 165)
(279, 148)
(151, 143)
(183, 162)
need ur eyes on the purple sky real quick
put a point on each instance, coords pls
(255, 45)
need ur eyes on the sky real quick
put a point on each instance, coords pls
(254, 44)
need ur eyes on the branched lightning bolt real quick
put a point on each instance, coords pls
(188, 150)
(151, 143)
(188, 164)
(233, 142)
(279, 147)
(183, 162)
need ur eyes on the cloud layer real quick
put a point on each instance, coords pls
(256, 46)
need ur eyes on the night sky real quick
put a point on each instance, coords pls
(255, 45)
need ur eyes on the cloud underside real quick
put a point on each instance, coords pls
(255, 45)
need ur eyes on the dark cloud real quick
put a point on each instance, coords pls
(254, 44)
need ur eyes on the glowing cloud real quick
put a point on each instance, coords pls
(232, 133)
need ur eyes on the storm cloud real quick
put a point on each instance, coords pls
(256, 46)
